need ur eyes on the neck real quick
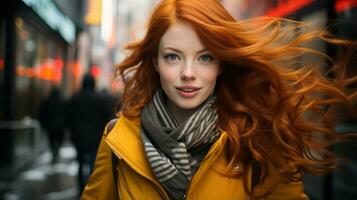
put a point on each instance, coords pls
(180, 114)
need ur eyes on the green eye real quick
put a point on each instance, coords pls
(206, 58)
(171, 57)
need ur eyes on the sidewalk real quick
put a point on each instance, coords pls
(45, 181)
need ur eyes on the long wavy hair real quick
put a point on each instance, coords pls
(277, 109)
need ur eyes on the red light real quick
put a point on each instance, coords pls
(344, 5)
(2, 66)
(46, 73)
(30, 72)
(59, 63)
(287, 7)
(95, 71)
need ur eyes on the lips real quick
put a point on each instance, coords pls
(188, 91)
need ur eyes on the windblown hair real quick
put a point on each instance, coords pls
(277, 109)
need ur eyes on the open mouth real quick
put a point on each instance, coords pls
(188, 92)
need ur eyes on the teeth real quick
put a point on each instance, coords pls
(187, 90)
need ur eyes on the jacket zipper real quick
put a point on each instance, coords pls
(210, 153)
(198, 168)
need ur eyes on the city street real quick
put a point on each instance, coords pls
(45, 181)
(278, 76)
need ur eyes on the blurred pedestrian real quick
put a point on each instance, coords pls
(87, 116)
(215, 108)
(52, 117)
(112, 103)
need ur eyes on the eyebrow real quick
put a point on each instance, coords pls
(174, 49)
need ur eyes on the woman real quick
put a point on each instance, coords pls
(210, 98)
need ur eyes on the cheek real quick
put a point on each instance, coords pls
(210, 76)
(167, 77)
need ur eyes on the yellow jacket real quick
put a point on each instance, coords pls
(137, 181)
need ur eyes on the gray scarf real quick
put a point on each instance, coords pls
(175, 150)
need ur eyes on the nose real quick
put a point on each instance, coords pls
(188, 72)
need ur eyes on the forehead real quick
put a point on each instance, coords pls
(182, 36)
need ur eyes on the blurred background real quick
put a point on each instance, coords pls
(51, 44)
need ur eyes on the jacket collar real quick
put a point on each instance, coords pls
(125, 141)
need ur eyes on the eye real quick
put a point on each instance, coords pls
(171, 57)
(206, 58)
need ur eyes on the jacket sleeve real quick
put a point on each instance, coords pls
(101, 183)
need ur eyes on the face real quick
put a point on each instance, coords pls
(188, 71)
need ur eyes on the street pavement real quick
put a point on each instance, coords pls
(44, 180)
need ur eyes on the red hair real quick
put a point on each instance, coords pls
(272, 105)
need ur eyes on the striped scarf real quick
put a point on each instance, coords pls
(174, 150)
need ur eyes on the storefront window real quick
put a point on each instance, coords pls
(39, 66)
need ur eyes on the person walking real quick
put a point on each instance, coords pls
(87, 116)
(52, 117)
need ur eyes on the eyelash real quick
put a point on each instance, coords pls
(208, 56)
(167, 57)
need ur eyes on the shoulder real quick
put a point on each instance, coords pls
(121, 124)
(110, 125)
